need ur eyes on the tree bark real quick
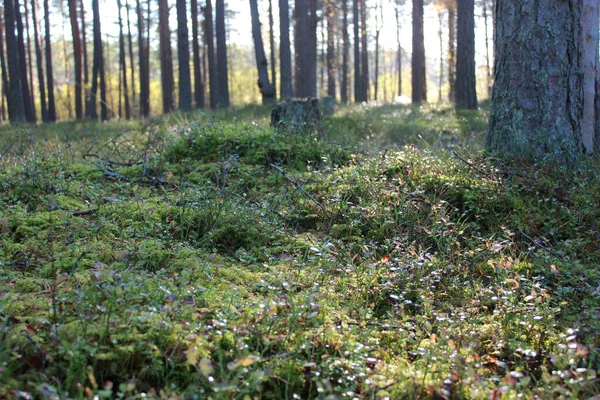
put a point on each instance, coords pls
(301, 44)
(144, 74)
(222, 74)
(266, 88)
(272, 47)
(25, 88)
(358, 97)
(123, 65)
(399, 50)
(166, 57)
(183, 49)
(40, 60)
(3, 65)
(364, 52)
(198, 81)
(49, 68)
(331, 16)
(77, 54)
(345, 53)
(441, 40)
(27, 43)
(285, 54)
(86, 77)
(313, 20)
(131, 62)
(488, 69)
(537, 106)
(16, 105)
(212, 64)
(451, 51)
(419, 83)
(590, 65)
(97, 70)
(466, 94)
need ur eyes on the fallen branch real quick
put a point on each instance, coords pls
(84, 212)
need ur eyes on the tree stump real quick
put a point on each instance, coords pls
(299, 116)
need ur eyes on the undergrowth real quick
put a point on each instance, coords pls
(203, 256)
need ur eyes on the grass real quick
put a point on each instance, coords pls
(205, 255)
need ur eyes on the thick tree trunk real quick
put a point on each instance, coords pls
(331, 16)
(25, 88)
(123, 65)
(302, 45)
(285, 54)
(49, 68)
(198, 81)
(536, 106)
(27, 43)
(77, 54)
(144, 73)
(222, 74)
(364, 69)
(16, 105)
(97, 70)
(266, 88)
(358, 97)
(345, 53)
(451, 51)
(419, 85)
(466, 94)
(183, 49)
(590, 65)
(272, 47)
(166, 57)
(212, 60)
(399, 49)
(313, 20)
(39, 59)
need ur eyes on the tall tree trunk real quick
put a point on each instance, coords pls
(272, 47)
(66, 60)
(40, 60)
(537, 107)
(29, 56)
(331, 15)
(312, 49)
(183, 49)
(364, 51)
(222, 74)
(451, 50)
(144, 74)
(358, 97)
(97, 70)
(86, 77)
(345, 52)
(107, 72)
(49, 68)
(166, 57)
(4, 91)
(441, 40)
(466, 94)
(378, 27)
(322, 65)
(590, 65)
(266, 88)
(302, 53)
(212, 64)
(399, 50)
(131, 62)
(123, 65)
(14, 97)
(419, 85)
(488, 70)
(285, 54)
(77, 53)
(198, 81)
(25, 88)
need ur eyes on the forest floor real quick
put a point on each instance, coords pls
(207, 256)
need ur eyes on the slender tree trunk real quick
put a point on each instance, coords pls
(77, 53)
(123, 66)
(25, 88)
(266, 88)
(285, 54)
(29, 56)
(378, 27)
(272, 47)
(198, 81)
(419, 85)
(466, 94)
(110, 101)
(331, 15)
(321, 66)
(86, 77)
(166, 57)
(590, 65)
(16, 105)
(488, 70)
(144, 84)
(399, 50)
(4, 91)
(451, 51)
(366, 79)
(345, 52)
(49, 68)
(358, 97)
(97, 70)
(441, 40)
(183, 48)
(131, 63)
(66, 60)
(536, 107)
(212, 65)
(40, 60)
(222, 74)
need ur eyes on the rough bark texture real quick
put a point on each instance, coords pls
(183, 51)
(358, 98)
(311, 82)
(301, 44)
(212, 61)
(466, 95)
(25, 87)
(590, 61)
(49, 69)
(166, 57)
(198, 81)
(537, 97)
(345, 53)
(222, 74)
(419, 85)
(451, 51)
(123, 65)
(16, 106)
(39, 60)
(77, 54)
(267, 90)
(285, 54)
(330, 10)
